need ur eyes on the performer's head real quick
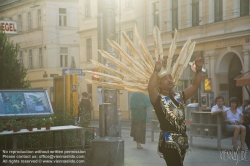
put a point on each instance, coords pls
(166, 84)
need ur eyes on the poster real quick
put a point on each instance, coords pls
(24, 102)
(204, 100)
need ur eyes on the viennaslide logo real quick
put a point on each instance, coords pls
(233, 155)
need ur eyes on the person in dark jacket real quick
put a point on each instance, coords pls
(85, 105)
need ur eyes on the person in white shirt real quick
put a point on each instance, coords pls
(219, 108)
(234, 121)
(240, 106)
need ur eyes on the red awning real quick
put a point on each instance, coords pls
(243, 81)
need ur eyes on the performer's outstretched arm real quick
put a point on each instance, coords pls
(189, 91)
(153, 94)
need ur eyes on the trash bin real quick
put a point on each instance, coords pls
(192, 107)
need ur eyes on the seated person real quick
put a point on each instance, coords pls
(246, 105)
(219, 108)
(246, 112)
(234, 121)
(240, 106)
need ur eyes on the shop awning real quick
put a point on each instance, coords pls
(243, 81)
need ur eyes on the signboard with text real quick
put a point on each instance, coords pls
(72, 71)
(8, 26)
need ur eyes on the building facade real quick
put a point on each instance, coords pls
(221, 29)
(47, 36)
(128, 14)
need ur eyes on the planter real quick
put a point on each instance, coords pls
(47, 126)
(30, 128)
(39, 127)
(8, 128)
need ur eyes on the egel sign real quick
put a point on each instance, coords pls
(9, 27)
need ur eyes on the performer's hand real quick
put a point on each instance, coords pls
(199, 62)
(158, 63)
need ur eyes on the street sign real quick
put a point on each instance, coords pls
(73, 88)
(72, 71)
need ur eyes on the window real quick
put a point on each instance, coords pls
(39, 18)
(117, 37)
(156, 13)
(73, 64)
(195, 12)
(87, 8)
(30, 59)
(218, 11)
(21, 57)
(244, 7)
(29, 21)
(89, 49)
(40, 57)
(63, 57)
(130, 36)
(174, 14)
(128, 3)
(20, 23)
(62, 17)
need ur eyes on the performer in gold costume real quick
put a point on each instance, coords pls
(139, 72)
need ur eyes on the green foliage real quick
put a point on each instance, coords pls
(2, 125)
(39, 121)
(30, 122)
(48, 120)
(16, 124)
(12, 72)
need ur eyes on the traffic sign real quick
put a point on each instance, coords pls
(73, 88)
(72, 71)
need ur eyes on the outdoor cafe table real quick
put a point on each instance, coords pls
(55, 129)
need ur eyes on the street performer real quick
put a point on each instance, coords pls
(169, 108)
(140, 73)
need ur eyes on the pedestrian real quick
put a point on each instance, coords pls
(139, 104)
(85, 107)
(234, 122)
(169, 108)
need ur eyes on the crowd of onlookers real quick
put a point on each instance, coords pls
(237, 119)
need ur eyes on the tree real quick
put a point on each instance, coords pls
(12, 71)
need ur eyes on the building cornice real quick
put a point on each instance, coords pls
(95, 28)
(87, 30)
(202, 40)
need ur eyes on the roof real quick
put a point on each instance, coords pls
(7, 2)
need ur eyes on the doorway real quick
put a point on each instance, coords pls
(234, 70)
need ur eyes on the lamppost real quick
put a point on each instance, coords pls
(108, 150)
